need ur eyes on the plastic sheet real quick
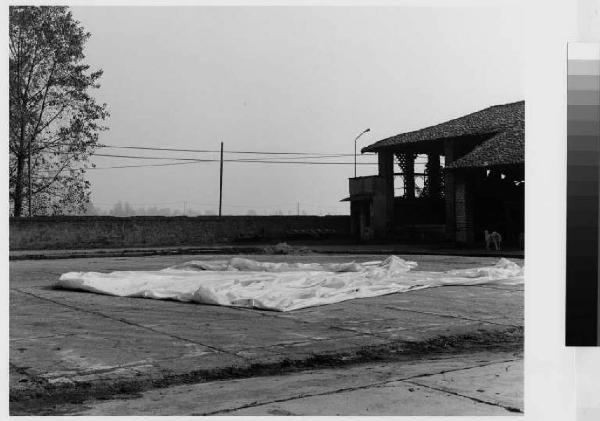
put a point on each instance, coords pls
(282, 286)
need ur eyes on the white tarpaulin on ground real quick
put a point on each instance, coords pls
(282, 286)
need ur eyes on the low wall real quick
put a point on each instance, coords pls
(77, 232)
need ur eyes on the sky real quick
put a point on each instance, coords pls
(283, 79)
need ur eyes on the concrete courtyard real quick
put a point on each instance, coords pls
(446, 350)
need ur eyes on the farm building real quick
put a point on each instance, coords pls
(447, 182)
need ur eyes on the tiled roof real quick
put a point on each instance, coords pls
(507, 121)
(506, 148)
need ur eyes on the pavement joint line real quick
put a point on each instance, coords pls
(368, 386)
(41, 337)
(383, 335)
(451, 316)
(291, 343)
(486, 286)
(131, 324)
(294, 343)
(496, 288)
(418, 376)
(86, 372)
(361, 332)
(450, 392)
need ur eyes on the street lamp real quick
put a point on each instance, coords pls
(361, 133)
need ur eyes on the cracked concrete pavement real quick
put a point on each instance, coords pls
(481, 383)
(71, 348)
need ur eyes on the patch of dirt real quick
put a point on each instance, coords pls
(285, 248)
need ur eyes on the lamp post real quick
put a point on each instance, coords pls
(355, 140)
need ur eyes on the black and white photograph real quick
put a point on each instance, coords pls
(266, 210)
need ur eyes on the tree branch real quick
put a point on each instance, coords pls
(41, 189)
(26, 88)
(43, 106)
(51, 120)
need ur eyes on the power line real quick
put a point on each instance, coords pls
(152, 148)
(211, 160)
(154, 157)
(120, 166)
(142, 166)
(233, 160)
(262, 160)
(304, 157)
(198, 161)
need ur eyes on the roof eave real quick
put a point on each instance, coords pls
(482, 165)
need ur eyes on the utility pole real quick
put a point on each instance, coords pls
(298, 208)
(221, 182)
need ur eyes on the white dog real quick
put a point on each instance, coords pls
(493, 238)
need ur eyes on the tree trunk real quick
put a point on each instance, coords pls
(18, 194)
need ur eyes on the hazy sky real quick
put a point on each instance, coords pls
(297, 79)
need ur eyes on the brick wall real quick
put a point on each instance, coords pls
(76, 232)
(464, 209)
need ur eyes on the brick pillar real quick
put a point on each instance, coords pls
(409, 175)
(449, 155)
(386, 171)
(434, 181)
(464, 208)
(355, 216)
